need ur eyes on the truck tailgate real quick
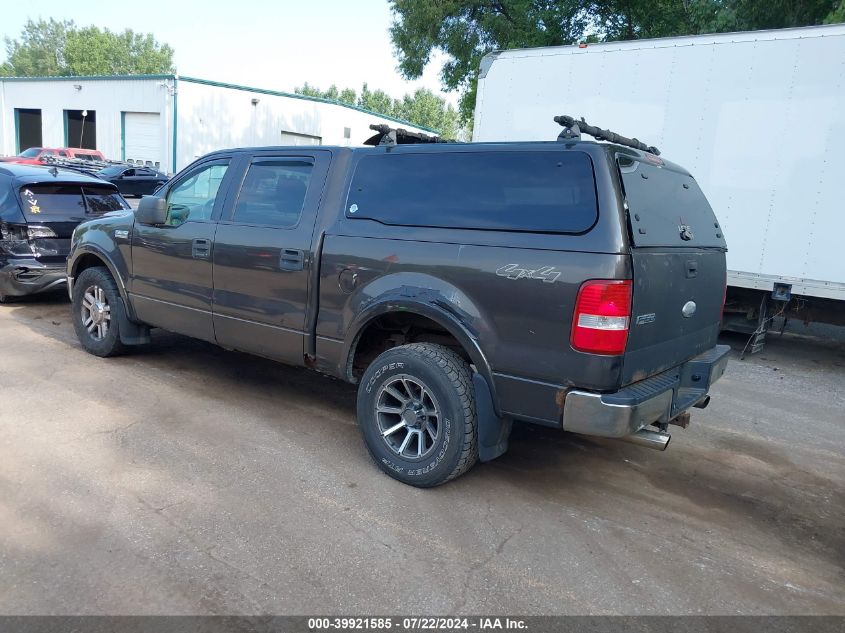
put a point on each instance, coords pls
(676, 308)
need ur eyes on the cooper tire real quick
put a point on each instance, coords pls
(98, 312)
(416, 411)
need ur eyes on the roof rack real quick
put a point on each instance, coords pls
(572, 130)
(76, 164)
(387, 135)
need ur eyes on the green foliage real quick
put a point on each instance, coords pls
(53, 48)
(837, 15)
(423, 107)
(466, 30)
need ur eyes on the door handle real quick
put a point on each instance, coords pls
(692, 269)
(291, 259)
(200, 248)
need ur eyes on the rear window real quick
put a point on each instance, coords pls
(68, 202)
(667, 207)
(545, 192)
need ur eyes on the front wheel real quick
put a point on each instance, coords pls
(97, 312)
(416, 410)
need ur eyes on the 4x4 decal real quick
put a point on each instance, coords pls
(547, 274)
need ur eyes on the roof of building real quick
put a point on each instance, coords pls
(220, 84)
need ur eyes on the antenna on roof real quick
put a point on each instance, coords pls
(572, 130)
(54, 171)
(387, 135)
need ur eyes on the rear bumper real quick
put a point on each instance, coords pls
(20, 277)
(654, 400)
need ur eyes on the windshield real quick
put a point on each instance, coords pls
(66, 202)
(32, 152)
(111, 171)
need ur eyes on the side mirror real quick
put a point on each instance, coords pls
(151, 210)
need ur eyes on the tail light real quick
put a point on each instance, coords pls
(602, 316)
(15, 238)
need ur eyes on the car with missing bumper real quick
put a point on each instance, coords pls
(463, 286)
(39, 209)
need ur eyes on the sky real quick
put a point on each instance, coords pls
(277, 44)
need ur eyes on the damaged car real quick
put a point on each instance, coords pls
(39, 209)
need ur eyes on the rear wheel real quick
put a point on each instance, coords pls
(97, 312)
(416, 410)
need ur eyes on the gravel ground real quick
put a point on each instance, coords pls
(186, 479)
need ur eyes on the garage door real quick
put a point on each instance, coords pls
(142, 138)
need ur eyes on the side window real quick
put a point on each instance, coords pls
(545, 191)
(193, 198)
(273, 192)
(128, 173)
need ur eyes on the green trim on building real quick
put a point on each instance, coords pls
(204, 82)
(17, 131)
(65, 121)
(175, 119)
(90, 78)
(291, 95)
(122, 135)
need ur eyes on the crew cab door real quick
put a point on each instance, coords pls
(263, 254)
(171, 282)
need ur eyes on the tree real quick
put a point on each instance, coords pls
(466, 30)
(423, 107)
(53, 48)
(837, 15)
(40, 51)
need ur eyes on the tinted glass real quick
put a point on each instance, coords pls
(194, 197)
(539, 191)
(101, 200)
(65, 202)
(273, 193)
(32, 152)
(112, 171)
(671, 207)
(52, 202)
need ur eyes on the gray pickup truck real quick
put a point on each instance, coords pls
(570, 283)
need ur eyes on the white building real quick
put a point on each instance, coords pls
(170, 120)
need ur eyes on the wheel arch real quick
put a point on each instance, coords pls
(90, 256)
(408, 309)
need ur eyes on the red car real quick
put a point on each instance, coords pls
(35, 155)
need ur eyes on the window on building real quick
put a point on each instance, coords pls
(28, 126)
(81, 129)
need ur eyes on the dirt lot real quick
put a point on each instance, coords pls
(186, 479)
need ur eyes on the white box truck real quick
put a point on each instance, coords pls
(756, 117)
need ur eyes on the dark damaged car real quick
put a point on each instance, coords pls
(39, 209)
(462, 286)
